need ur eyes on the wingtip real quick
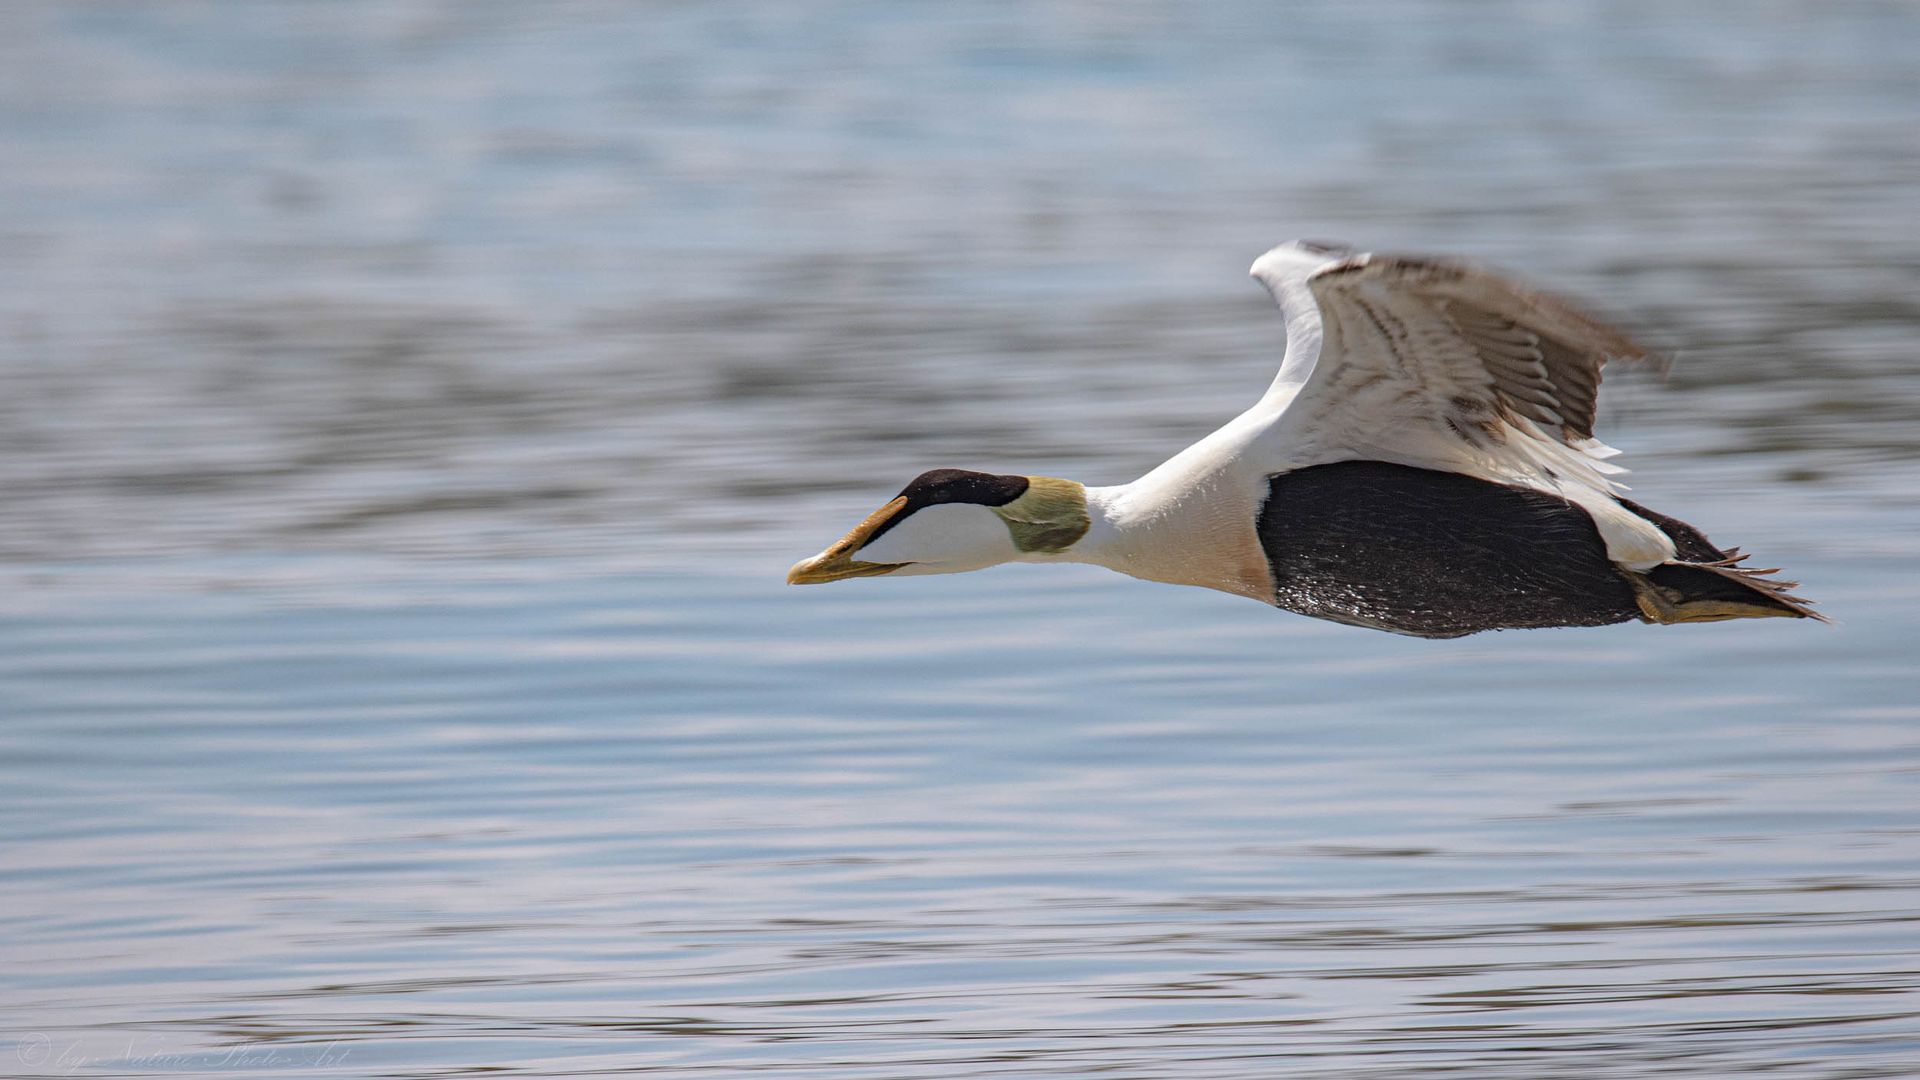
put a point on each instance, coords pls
(1656, 362)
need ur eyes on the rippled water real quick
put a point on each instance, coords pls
(408, 410)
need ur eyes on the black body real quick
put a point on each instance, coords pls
(1437, 554)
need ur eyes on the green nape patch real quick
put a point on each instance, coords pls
(1049, 518)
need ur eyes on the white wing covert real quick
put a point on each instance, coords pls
(1445, 366)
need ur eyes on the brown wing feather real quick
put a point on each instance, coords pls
(1540, 354)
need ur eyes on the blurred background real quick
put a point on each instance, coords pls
(469, 279)
(408, 409)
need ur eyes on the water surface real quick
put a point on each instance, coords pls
(408, 411)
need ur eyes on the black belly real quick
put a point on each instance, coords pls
(1435, 554)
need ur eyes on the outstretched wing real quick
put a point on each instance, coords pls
(1445, 366)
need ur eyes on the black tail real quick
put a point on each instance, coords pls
(1704, 583)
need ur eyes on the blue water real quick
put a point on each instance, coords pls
(408, 412)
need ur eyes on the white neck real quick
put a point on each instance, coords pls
(1170, 529)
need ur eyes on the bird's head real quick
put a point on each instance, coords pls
(950, 520)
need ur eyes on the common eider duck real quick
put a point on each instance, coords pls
(1424, 463)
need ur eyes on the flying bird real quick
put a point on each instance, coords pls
(1424, 463)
